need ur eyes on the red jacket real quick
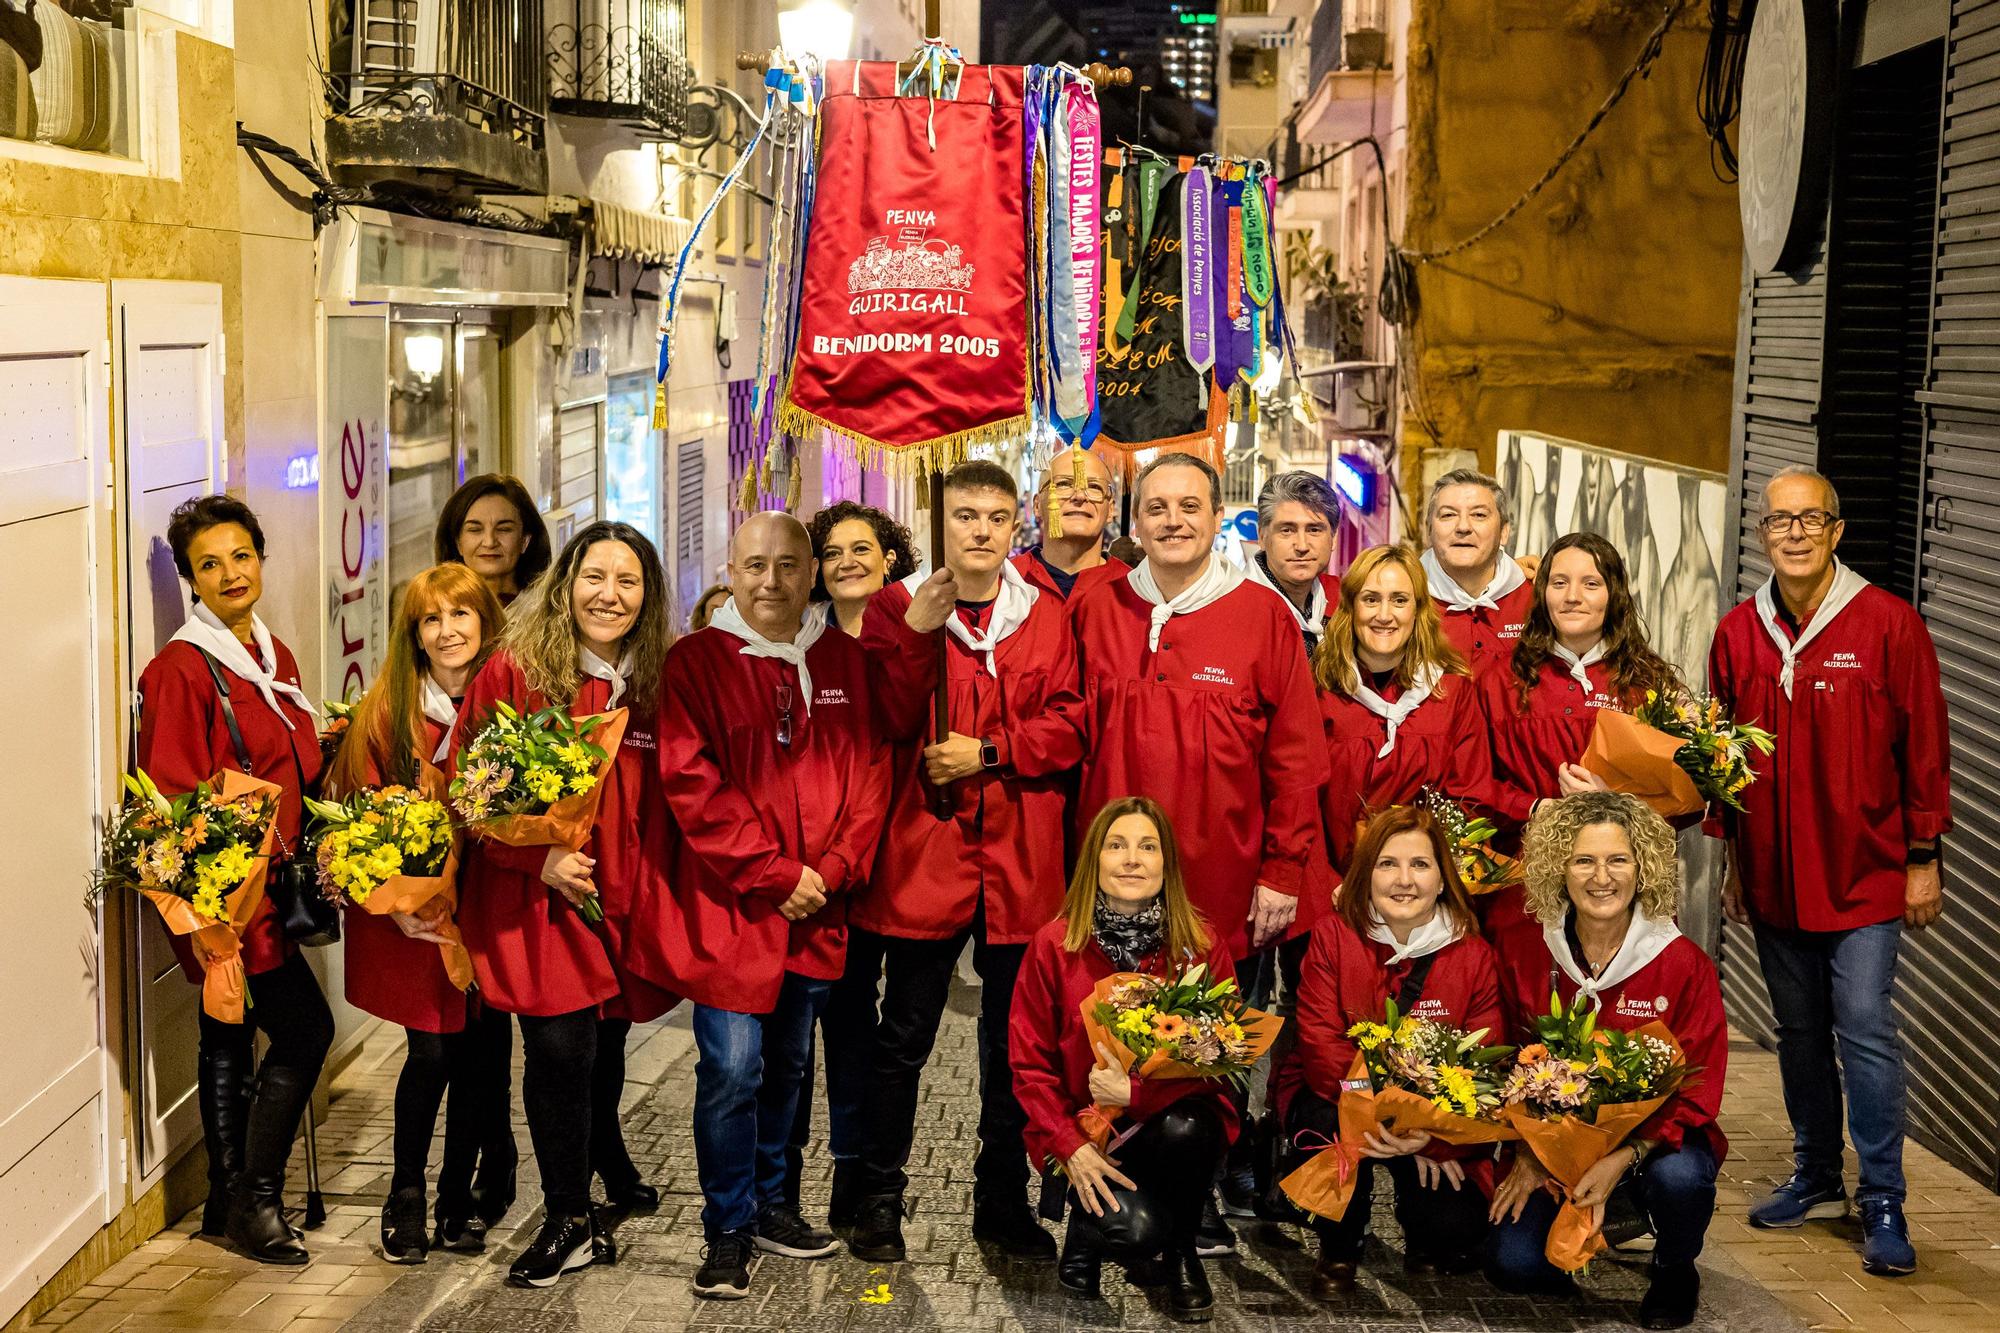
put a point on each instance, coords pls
(1004, 846)
(1862, 768)
(184, 741)
(1679, 989)
(753, 813)
(1219, 725)
(1488, 636)
(532, 952)
(384, 971)
(1031, 567)
(1052, 1057)
(1344, 980)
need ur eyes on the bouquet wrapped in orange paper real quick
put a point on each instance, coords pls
(391, 850)
(1409, 1074)
(201, 859)
(1575, 1096)
(1640, 761)
(535, 780)
(1183, 1027)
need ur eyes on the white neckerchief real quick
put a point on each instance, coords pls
(1394, 714)
(1846, 586)
(1425, 940)
(1645, 940)
(439, 708)
(1313, 619)
(205, 630)
(590, 664)
(730, 621)
(1579, 667)
(1011, 605)
(1215, 582)
(1507, 576)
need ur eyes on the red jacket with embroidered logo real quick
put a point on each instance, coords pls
(184, 741)
(1679, 989)
(1485, 636)
(384, 971)
(1862, 768)
(533, 953)
(1036, 573)
(1003, 847)
(752, 813)
(1345, 980)
(1051, 1053)
(1219, 726)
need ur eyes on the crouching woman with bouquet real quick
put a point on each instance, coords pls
(1604, 881)
(1140, 1195)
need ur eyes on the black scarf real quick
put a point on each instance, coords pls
(1129, 940)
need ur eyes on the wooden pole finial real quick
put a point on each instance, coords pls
(1104, 76)
(753, 60)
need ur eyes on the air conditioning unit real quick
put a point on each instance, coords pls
(1366, 48)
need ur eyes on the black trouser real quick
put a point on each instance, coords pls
(916, 983)
(285, 1004)
(574, 1070)
(1440, 1224)
(474, 1065)
(1171, 1158)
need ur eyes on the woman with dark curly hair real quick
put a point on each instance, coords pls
(1604, 882)
(1584, 649)
(859, 550)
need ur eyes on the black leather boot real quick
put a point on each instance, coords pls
(843, 1210)
(226, 1074)
(1081, 1266)
(1189, 1298)
(256, 1223)
(493, 1186)
(878, 1230)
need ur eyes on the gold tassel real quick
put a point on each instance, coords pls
(796, 487)
(1077, 478)
(1055, 517)
(746, 499)
(659, 407)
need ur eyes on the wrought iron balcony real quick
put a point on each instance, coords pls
(444, 95)
(623, 61)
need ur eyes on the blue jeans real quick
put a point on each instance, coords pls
(1675, 1190)
(746, 1091)
(1833, 989)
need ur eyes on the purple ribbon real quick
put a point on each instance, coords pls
(1198, 278)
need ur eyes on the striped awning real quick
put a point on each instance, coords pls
(619, 232)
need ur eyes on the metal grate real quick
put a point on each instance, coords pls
(479, 61)
(621, 60)
(690, 483)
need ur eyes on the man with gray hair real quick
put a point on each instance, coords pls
(1836, 851)
(1297, 515)
(1483, 597)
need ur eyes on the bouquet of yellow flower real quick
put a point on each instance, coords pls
(1715, 752)
(1576, 1095)
(200, 858)
(1409, 1074)
(1185, 1026)
(1483, 869)
(390, 850)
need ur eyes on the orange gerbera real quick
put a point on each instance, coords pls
(1533, 1052)
(1169, 1027)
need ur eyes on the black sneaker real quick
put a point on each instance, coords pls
(1239, 1194)
(1213, 1239)
(564, 1245)
(1012, 1227)
(459, 1234)
(404, 1240)
(878, 1230)
(783, 1229)
(724, 1274)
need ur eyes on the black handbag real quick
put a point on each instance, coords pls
(306, 916)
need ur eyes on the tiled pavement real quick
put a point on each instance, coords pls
(1752, 1280)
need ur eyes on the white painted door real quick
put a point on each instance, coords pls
(170, 359)
(53, 1160)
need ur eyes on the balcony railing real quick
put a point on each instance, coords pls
(621, 60)
(444, 93)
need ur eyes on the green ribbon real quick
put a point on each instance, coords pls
(1257, 277)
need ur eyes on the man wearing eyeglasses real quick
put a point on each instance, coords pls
(990, 871)
(1064, 564)
(1837, 849)
(778, 780)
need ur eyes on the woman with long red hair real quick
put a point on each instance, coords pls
(1402, 929)
(446, 624)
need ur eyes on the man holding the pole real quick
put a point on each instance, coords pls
(991, 870)
(1196, 694)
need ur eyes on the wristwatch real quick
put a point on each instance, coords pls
(989, 755)
(1923, 856)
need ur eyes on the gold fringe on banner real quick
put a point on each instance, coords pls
(898, 461)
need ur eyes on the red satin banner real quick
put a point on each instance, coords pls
(913, 311)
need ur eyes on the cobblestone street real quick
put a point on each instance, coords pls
(1752, 1280)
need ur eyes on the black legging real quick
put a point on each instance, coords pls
(574, 1070)
(473, 1064)
(1172, 1159)
(287, 1007)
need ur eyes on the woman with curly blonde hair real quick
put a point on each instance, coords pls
(1603, 880)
